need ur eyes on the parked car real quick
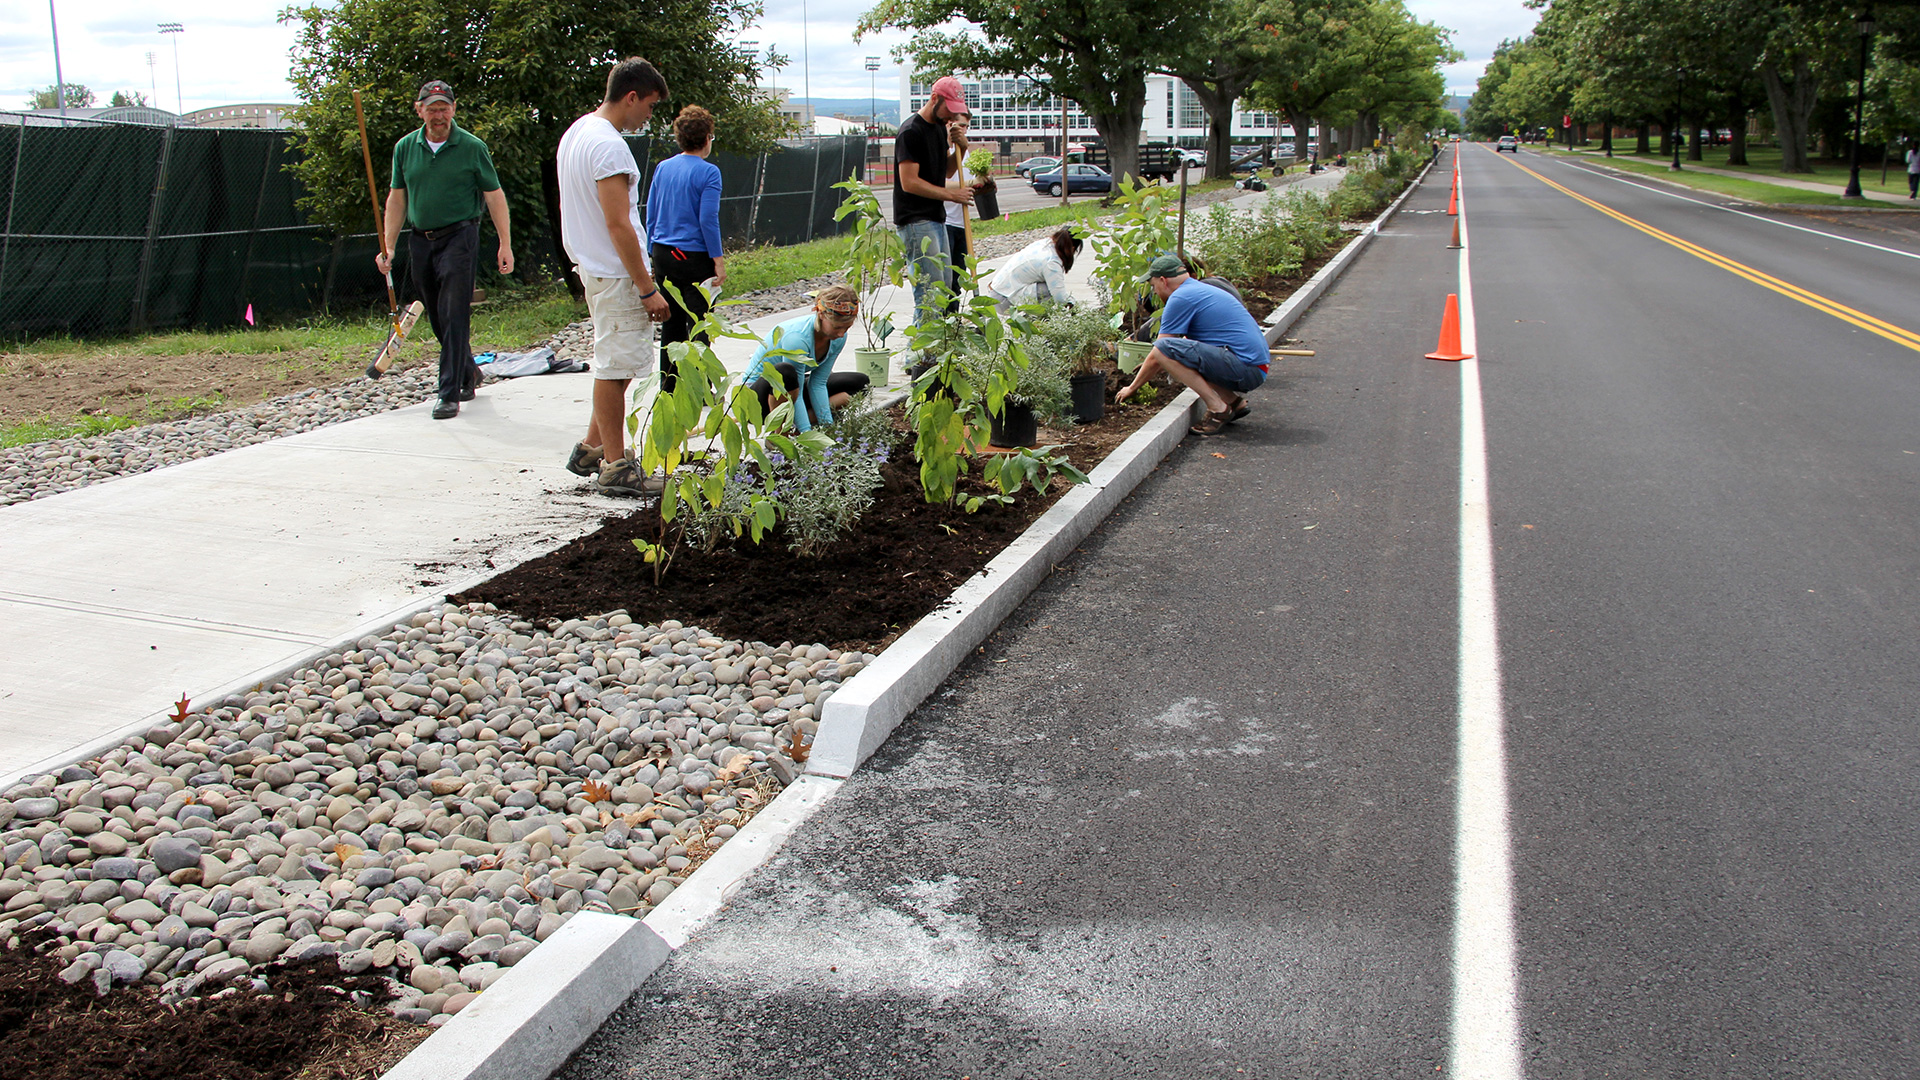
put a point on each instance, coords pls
(1027, 168)
(1080, 178)
(1195, 158)
(1508, 144)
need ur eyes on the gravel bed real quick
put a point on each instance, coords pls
(427, 805)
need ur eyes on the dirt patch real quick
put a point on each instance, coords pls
(151, 388)
(902, 560)
(308, 1025)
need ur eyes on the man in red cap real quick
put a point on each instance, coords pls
(920, 195)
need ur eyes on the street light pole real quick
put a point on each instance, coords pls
(59, 80)
(873, 109)
(174, 30)
(1865, 26)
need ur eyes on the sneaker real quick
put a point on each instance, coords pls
(585, 460)
(622, 478)
(446, 410)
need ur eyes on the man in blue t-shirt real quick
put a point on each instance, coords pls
(1207, 341)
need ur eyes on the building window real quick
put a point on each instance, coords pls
(1191, 114)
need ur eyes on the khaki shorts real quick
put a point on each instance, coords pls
(622, 330)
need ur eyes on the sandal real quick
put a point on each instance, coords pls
(1214, 424)
(1238, 406)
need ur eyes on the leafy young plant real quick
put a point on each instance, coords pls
(975, 357)
(875, 259)
(1141, 230)
(704, 404)
(980, 163)
(1008, 473)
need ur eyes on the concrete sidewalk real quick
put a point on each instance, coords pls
(203, 578)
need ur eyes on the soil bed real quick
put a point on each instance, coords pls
(307, 1026)
(903, 558)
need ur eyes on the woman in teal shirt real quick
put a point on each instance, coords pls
(808, 377)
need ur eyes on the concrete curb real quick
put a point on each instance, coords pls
(866, 709)
(526, 1025)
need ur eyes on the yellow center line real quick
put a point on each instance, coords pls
(1897, 334)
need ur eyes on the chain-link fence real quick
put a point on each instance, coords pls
(112, 228)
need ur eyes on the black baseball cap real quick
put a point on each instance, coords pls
(435, 90)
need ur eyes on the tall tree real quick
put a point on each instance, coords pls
(1221, 64)
(1309, 60)
(123, 99)
(1096, 53)
(523, 71)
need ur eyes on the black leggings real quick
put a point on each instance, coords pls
(840, 382)
(686, 269)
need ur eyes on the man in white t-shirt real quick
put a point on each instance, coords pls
(600, 228)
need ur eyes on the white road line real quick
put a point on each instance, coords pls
(1581, 166)
(1486, 1026)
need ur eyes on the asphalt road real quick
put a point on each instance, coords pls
(1192, 811)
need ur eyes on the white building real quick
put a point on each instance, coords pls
(1003, 109)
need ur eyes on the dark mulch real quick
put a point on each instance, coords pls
(308, 1026)
(899, 563)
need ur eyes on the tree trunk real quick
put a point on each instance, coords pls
(1606, 135)
(1643, 139)
(1737, 124)
(1666, 139)
(1301, 124)
(1694, 148)
(1792, 106)
(1218, 104)
(1121, 130)
(1326, 139)
(550, 188)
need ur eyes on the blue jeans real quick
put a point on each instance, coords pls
(929, 262)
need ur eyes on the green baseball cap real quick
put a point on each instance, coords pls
(1166, 266)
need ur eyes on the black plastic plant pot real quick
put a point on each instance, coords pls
(1089, 397)
(1014, 427)
(986, 203)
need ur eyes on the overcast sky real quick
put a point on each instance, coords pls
(233, 53)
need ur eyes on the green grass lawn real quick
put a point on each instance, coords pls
(1763, 163)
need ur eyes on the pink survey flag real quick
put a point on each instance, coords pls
(249, 314)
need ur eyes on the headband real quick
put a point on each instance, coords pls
(841, 309)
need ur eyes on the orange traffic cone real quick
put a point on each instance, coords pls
(1456, 235)
(1449, 347)
(1453, 197)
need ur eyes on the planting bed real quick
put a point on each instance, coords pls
(311, 1021)
(899, 563)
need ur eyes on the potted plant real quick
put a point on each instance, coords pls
(1074, 341)
(875, 259)
(1124, 249)
(986, 197)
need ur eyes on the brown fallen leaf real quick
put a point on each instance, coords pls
(1220, 455)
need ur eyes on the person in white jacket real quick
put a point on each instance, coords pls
(1037, 273)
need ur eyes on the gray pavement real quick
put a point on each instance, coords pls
(1191, 812)
(1187, 814)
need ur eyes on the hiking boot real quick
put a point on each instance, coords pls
(447, 409)
(622, 478)
(585, 460)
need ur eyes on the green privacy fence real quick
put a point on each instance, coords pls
(113, 228)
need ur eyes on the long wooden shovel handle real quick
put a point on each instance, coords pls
(373, 195)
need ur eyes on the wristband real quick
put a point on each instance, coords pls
(651, 293)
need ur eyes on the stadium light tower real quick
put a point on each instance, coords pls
(873, 94)
(174, 30)
(59, 81)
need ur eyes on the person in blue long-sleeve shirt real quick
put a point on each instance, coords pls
(810, 343)
(683, 221)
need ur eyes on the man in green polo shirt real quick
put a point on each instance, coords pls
(442, 178)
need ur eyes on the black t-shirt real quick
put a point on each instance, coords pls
(924, 142)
